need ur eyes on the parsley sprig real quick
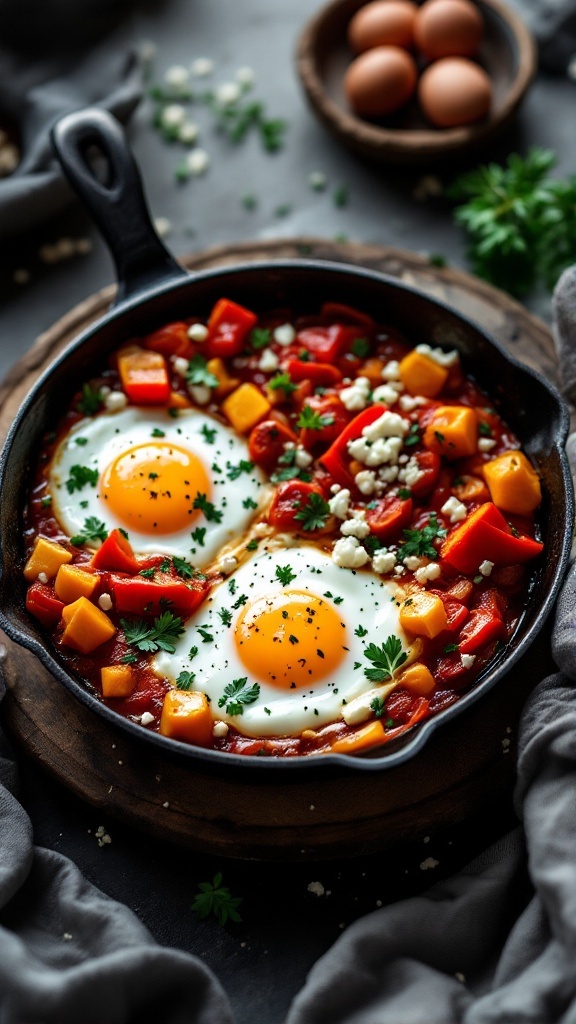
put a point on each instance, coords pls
(215, 898)
(93, 529)
(385, 659)
(212, 514)
(310, 419)
(91, 401)
(419, 542)
(79, 477)
(284, 574)
(160, 636)
(314, 513)
(237, 694)
(198, 374)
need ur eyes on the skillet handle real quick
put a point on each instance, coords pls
(117, 204)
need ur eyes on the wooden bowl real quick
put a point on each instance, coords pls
(507, 53)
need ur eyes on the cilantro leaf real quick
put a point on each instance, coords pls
(198, 374)
(91, 401)
(284, 574)
(260, 337)
(208, 433)
(160, 636)
(237, 694)
(419, 542)
(385, 659)
(93, 529)
(244, 466)
(79, 477)
(314, 514)
(215, 898)
(282, 382)
(213, 515)
(311, 420)
(185, 680)
(377, 706)
(183, 568)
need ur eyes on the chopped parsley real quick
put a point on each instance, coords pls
(91, 401)
(185, 680)
(413, 435)
(484, 429)
(183, 568)
(81, 441)
(360, 347)
(284, 574)
(252, 544)
(198, 535)
(215, 898)
(311, 420)
(260, 337)
(385, 659)
(213, 515)
(419, 542)
(249, 503)
(237, 694)
(208, 433)
(79, 477)
(314, 514)
(198, 374)
(225, 615)
(360, 631)
(207, 637)
(160, 636)
(93, 529)
(377, 706)
(244, 466)
(158, 433)
(147, 573)
(282, 382)
(449, 648)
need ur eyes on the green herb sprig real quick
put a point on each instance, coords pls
(215, 898)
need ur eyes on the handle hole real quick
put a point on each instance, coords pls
(99, 165)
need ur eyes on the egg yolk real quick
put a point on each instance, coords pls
(290, 639)
(152, 487)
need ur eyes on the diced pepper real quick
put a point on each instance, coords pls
(361, 739)
(117, 680)
(170, 340)
(513, 483)
(372, 369)
(486, 536)
(267, 441)
(347, 315)
(87, 626)
(289, 498)
(456, 612)
(144, 376)
(138, 596)
(335, 417)
(186, 716)
(429, 469)
(116, 554)
(423, 614)
(471, 488)
(482, 628)
(245, 407)
(72, 582)
(418, 679)
(389, 517)
(43, 604)
(404, 706)
(452, 431)
(228, 327)
(320, 374)
(326, 343)
(47, 557)
(422, 375)
(178, 401)
(226, 383)
(337, 460)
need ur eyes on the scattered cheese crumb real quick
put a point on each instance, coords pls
(317, 181)
(284, 334)
(115, 401)
(166, 804)
(268, 361)
(356, 526)
(429, 864)
(227, 564)
(391, 370)
(355, 397)
(413, 562)
(197, 332)
(302, 458)
(384, 561)
(245, 75)
(366, 481)
(432, 571)
(485, 567)
(105, 602)
(188, 133)
(201, 67)
(200, 393)
(197, 162)
(173, 115)
(42, 577)
(486, 444)
(102, 836)
(67, 937)
(220, 730)
(180, 365)
(439, 356)
(147, 718)
(228, 93)
(468, 660)
(316, 888)
(387, 393)
(349, 554)
(177, 76)
(340, 503)
(454, 509)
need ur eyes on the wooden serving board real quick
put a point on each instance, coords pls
(463, 770)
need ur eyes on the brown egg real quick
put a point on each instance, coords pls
(454, 91)
(380, 81)
(383, 23)
(448, 28)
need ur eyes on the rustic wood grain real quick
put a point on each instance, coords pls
(464, 768)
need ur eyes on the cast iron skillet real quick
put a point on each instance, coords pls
(154, 289)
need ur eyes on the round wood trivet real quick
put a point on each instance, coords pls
(465, 767)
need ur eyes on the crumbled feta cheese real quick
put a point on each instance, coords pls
(115, 401)
(427, 572)
(42, 577)
(485, 567)
(197, 162)
(429, 863)
(105, 602)
(340, 503)
(197, 332)
(316, 888)
(228, 93)
(386, 393)
(391, 371)
(220, 730)
(146, 718)
(468, 660)
(439, 356)
(365, 481)
(188, 133)
(410, 402)
(355, 397)
(201, 67)
(389, 424)
(413, 562)
(173, 115)
(399, 570)
(349, 554)
(180, 365)
(410, 473)
(387, 475)
(200, 393)
(302, 458)
(486, 444)
(454, 509)
(227, 564)
(177, 76)
(384, 561)
(268, 361)
(260, 529)
(375, 453)
(355, 527)
(284, 334)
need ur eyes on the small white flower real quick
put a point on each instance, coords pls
(177, 77)
(228, 93)
(202, 67)
(173, 115)
(188, 133)
(197, 162)
(317, 181)
(245, 76)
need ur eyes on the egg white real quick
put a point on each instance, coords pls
(97, 441)
(360, 599)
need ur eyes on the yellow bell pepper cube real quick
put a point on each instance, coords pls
(178, 401)
(452, 431)
(87, 626)
(226, 383)
(421, 375)
(370, 735)
(513, 483)
(186, 716)
(245, 407)
(47, 556)
(118, 680)
(423, 614)
(418, 679)
(73, 582)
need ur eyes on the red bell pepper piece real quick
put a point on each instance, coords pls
(335, 417)
(326, 343)
(336, 460)
(43, 604)
(450, 673)
(320, 374)
(480, 629)
(139, 596)
(389, 517)
(144, 376)
(456, 612)
(347, 315)
(485, 535)
(228, 326)
(429, 466)
(266, 443)
(170, 340)
(290, 497)
(116, 554)
(403, 706)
